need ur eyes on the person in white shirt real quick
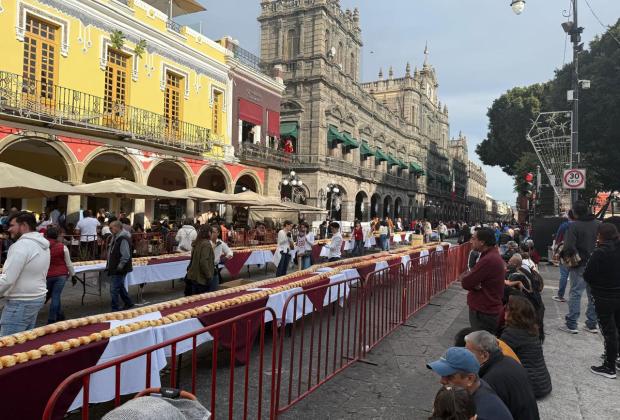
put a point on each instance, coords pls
(186, 235)
(88, 233)
(24, 275)
(443, 230)
(221, 251)
(282, 256)
(305, 240)
(335, 246)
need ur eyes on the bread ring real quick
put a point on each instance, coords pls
(73, 342)
(84, 340)
(21, 357)
(95, 337)
(34, 354)
(47, 350)
(8, 361)
(8, 340)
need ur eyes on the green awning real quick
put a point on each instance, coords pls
(415, 168)
(391, 161)
(365, 150)
(380, 156)
(401, 164)
(289, 129)
(334, 136)
(349, 141)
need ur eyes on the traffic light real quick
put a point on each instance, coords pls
(526, 187)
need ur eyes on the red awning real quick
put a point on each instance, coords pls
(273, 123)
(250, 112)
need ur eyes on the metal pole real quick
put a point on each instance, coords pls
(575, 80)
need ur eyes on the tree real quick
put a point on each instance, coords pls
(510, 119)
(511, 115)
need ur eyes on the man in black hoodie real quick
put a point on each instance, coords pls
(506, 376)
(580, 239)
(603, 276)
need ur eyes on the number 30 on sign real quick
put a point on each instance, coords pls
(574, 179)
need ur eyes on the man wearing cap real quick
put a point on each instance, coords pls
(459, 367)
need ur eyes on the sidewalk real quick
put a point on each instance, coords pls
(400, 386)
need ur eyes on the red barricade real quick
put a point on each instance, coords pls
(244, 391)
(323, 330)
(324, 324)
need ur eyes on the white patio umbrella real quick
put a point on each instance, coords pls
(20, 183)
(118, 187)
(202, 194)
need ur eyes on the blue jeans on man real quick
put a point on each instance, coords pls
(564, 270)
(20, 315)
(358, 250)
(306, 261)
(285, 258)
(577, 287)
(54, 288)
(384, 241)
(117, 289)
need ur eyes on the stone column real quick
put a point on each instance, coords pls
(139, 206)
(190, 208)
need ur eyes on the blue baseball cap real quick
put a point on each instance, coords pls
(456, 359)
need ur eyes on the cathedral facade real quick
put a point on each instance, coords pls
(379, 148)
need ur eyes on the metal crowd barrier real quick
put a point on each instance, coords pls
(322, 331)
(254, 376)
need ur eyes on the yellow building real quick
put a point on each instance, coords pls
(96, 89)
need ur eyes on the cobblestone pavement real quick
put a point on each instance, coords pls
(399, 386)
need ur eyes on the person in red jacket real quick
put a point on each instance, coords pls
(60, 268)
(485, 282)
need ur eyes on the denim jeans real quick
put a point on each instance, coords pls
(20, 315)
(306, 261)
(563, 280)
(117, 288)
(54, 287)
(358, 250)
(283, 265)
(384, 241)
(577, 286)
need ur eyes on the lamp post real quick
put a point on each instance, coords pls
(293, 180)
(331, 190)
(573, 29)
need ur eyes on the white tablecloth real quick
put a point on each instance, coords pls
(89, 267)
(133, 373)
(370, 242)
(156, 272)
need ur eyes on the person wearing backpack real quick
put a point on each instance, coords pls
(186, 235)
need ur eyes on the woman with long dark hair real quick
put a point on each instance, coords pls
(453, 403)
(522, 335)
(202, 265)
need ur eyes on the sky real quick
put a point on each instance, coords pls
(479, 49)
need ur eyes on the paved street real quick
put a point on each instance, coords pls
(399, 386)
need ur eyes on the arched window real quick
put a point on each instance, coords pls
(292, 44)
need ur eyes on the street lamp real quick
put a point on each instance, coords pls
(573, 29)
(517, 6)
(293, 180)
(332, 189)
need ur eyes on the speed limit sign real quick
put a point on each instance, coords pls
(574, 179)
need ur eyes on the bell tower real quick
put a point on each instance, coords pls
(310, 38)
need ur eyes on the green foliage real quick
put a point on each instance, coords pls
(511, 115)
(140, 48)
(510, 118)
(117, 39)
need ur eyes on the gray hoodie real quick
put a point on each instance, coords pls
(25, 271)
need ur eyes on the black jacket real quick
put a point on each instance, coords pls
(581, 237)
(119, 259)
(510, 381)
(602, 272)
(529, 350)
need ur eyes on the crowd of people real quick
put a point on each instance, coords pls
(497, 368)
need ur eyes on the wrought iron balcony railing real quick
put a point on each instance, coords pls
(266, 156)
(246, 57)
(173, 26)
(58, 105)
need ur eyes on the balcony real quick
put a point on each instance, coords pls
(245, 57)
(71, 109)
(257, 154)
